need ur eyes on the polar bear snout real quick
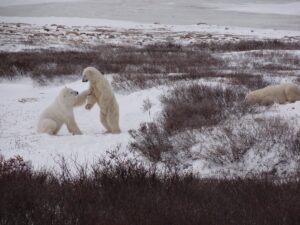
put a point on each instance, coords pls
(84, 79)
(75, 93)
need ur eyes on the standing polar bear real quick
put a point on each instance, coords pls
(61, 112)
(101, 93)
(281, 94)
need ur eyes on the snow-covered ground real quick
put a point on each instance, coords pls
(21, 33)
(62, 25)
(22, 102)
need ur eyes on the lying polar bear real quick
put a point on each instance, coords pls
(102, 94)
(61, 112)
(281, 94)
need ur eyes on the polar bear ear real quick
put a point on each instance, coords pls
(64, 92)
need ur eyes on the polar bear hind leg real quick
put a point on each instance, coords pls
(104, 121)
(48, 126)
(293, 96)
(113, 122)
(267, 101)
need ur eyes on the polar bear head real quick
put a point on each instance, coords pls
(91, 74)
(68, 96)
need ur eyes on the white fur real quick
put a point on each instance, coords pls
(281, 94)
(102, 94)
(60, 112)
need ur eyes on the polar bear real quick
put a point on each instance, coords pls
(281, 94)
(61, 112)
(101, 93)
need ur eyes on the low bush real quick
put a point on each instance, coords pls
(196, 106)
(128, 193)
(109, 59)
(248, 45)
(233, 141)
(152, 141)
(252, 82)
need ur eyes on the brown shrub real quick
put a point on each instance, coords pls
(13, 165)
(128, 193)
(152, 141)
(196, 106)
(135, 81)
(252, 82)
(109, 59)
(146, 66)
(247, 45)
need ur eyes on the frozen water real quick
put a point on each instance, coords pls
(276, 14)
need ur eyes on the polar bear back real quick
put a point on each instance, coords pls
(281, 93)
(57, 111)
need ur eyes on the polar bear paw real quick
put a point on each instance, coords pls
(88, 106)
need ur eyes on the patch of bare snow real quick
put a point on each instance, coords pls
(289, 8)
(30, 2)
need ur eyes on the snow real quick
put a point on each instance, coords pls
(291, 8)
(127, 25)
(21, 103)
(70, 21)
(30, 2)
(263, 157)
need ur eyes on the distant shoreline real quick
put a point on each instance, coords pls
(264, 16)
(150, 27)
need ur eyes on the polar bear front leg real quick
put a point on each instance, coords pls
(81, 98)
(72, 127)
(91, 101)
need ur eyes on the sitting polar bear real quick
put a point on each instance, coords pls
(101, 92)
(281, 94)
(61, 112)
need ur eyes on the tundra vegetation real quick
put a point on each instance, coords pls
(203, 116)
